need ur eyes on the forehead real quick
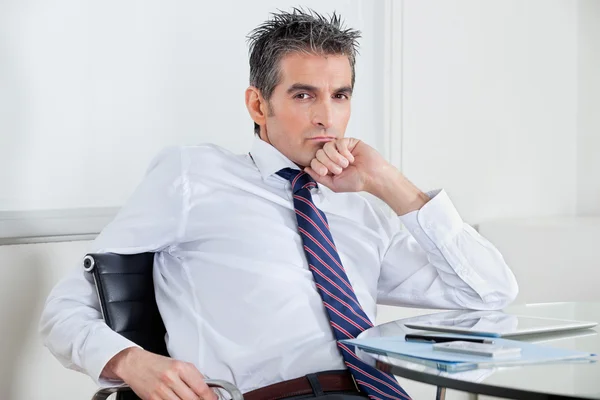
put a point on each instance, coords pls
(317, 70)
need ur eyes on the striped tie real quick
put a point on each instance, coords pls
(346, 316)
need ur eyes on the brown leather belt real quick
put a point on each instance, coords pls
(337, 381)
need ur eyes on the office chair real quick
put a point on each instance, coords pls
(125, 290)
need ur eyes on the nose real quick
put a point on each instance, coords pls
(322, 114)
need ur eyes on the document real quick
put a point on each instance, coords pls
(398, 347)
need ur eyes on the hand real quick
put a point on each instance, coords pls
(349, 165)
(154, 377)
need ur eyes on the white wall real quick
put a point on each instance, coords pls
(554, 259)
(588, 121)
(92, 90)
(490, 104)
(28, 370)
(490, 97)
(500, 107)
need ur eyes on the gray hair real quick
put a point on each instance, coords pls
(297, 31)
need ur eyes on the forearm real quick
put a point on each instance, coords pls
(72, 327)
(449, 266)
(396, 191)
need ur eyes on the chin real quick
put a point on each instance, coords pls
(303, 153)
(303, 160)
(302, 163)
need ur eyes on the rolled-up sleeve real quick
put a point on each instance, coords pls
(438, 261)
(71, 324)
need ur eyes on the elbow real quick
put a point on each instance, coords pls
(511, 288)
(47, 324)
(509, 294)
(504, 295)
(44, 325)
(500, 297)
(505, 289)
(513, 292)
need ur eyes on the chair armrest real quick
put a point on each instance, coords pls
(103, 394)
(230, 388)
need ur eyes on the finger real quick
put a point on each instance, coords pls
(318, 167)
(324, 180)
(208, 394)
(195, 381)
(342, 146)
(334, 155)
(185, 392)
(168, 380)
(324, 159)
(166, 393)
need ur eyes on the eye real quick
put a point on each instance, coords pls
(341, 96)
(302, 96)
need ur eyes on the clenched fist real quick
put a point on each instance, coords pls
(349, 165)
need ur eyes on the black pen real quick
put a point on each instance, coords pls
(413, 337)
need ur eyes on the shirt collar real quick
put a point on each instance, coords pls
(268, 159)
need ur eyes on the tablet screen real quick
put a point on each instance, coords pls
(497, 324)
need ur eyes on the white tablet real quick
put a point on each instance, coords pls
(496, 324)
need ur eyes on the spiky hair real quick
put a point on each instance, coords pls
(292, 32)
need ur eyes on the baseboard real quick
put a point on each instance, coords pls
(40, 226)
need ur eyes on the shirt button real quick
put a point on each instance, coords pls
(429, 226)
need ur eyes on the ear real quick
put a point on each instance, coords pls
(256, 105)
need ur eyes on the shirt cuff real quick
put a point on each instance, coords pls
(101, 347)
(435, 223)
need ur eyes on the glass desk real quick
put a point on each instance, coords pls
(557, 380)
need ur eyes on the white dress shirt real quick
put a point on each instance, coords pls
(231, 277)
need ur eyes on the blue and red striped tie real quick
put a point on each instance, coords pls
(346, 316)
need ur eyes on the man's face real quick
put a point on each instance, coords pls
(310, 106)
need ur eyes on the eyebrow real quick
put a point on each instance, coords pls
(309, 88)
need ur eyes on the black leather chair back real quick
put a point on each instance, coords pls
(126, 293)
(125, 290)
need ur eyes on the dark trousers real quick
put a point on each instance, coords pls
(319, 394)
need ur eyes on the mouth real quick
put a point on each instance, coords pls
(322, 139)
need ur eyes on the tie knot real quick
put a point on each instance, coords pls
(298, 179)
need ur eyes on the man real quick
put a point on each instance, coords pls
(265, 260)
